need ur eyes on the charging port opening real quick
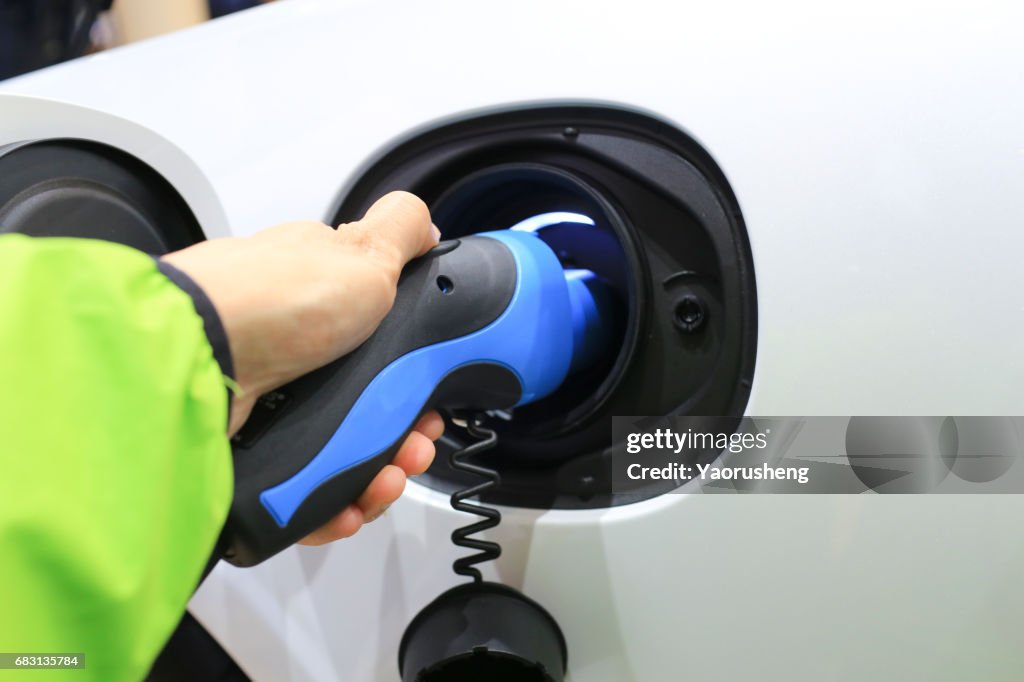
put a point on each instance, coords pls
(641, 204)
(585, 232)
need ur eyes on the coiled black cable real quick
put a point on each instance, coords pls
(488, 551)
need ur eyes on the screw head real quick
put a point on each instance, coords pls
(689, 313)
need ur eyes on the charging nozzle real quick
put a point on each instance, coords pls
(593, 318)
(589, 297)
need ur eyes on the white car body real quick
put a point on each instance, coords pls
(877, 153)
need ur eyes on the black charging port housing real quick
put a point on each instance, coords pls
(668, 238)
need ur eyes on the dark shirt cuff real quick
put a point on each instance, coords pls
(212, 325)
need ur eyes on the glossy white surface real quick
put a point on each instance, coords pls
(24, 118)
(878, 155)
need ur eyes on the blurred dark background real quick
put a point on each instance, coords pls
(35, 33)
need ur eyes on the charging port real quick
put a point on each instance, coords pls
(642, 206)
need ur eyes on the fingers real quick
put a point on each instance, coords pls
(412, 459)
(430, 425)
(384, 489)
(401, 222)
(417, 452)
(382, 492)
(415, 455)
(344, 525)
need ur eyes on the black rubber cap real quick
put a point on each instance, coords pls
(482, 631)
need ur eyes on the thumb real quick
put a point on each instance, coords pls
(401, 221)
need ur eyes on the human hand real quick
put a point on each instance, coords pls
(297, 296)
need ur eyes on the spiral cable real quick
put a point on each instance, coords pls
(488, 551)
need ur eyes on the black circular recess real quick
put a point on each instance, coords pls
(666, 235)
(482, 631)
(75, 188)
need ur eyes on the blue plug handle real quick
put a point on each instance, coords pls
(533, 338)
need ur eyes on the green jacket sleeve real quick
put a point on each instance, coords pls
(115, 468)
